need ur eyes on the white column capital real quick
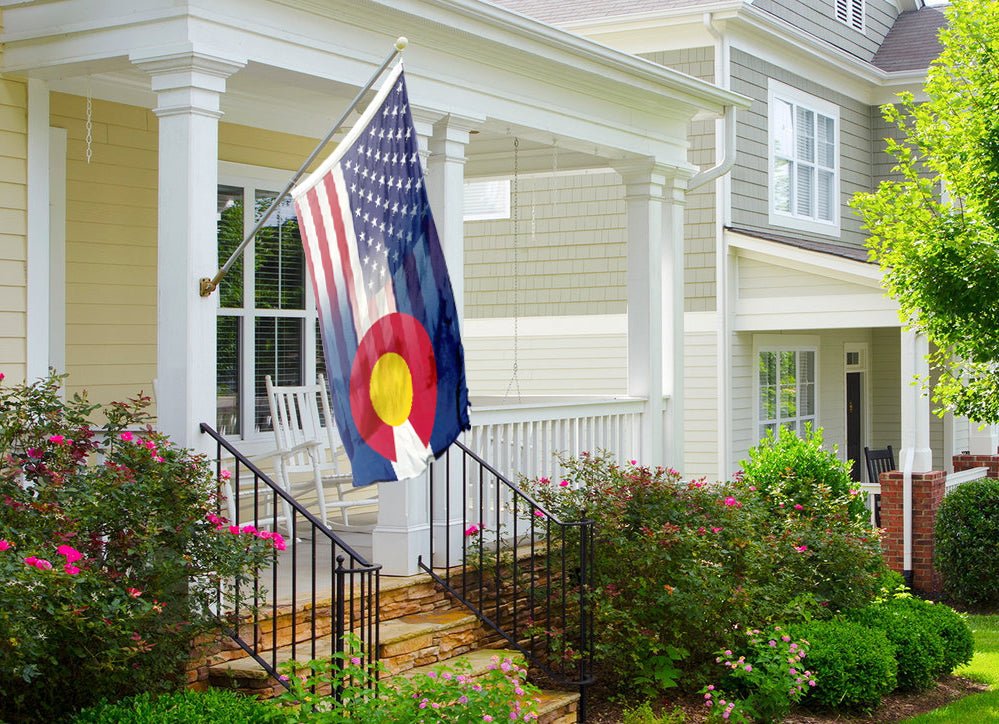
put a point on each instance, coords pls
(648, 178)
(186, 81)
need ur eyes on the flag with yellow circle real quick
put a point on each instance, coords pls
(390, 333)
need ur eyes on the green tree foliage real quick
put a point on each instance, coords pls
(935, 228)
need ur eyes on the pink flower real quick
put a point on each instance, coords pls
(30, 560)
(71, 569)
(4, 545)
(486, 717)
(133, 592)
(70, 553)
(278, 541)
(2, 375)
(248, 529)
(544, 481)
(126, 436)
(749, 667)
(799, 506)
(34, 452)
(264, 534)
(563, 483)
(355, 660)
(752, 488)
(632, 462)
(56, 439)
(225, 474)
(39, 563)
(539, 513)
(234, 529)
(801, 549)
(157, 458)
(715, 529)
(730, 501)
(472, 529)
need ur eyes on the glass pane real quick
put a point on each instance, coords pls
(805, 133)
(227, 376)
(764, 429)
(768, 368)
(805, 190)
(230, 234)
(782, 185)
(783, 125)
(768, 404)
(806, 400)
(279, 257)
(320, 356)
(806, 366)
(827, 142)
(788, 401)
(278, 347)
(825, 195)
(788, 368)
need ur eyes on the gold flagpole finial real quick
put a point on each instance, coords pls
(401, 42)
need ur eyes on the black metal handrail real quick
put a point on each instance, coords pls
(522, 571)
(352, 605)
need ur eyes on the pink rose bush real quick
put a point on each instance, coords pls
(110, 561)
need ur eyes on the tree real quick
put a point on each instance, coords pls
(935, 227)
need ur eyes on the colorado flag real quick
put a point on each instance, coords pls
(389, 326)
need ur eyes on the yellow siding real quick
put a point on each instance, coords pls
(110, 247)
(13, 222)
(111, 216)
(700, 414)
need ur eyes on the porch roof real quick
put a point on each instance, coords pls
(302, 59)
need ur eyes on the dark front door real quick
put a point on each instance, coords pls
(853, 418)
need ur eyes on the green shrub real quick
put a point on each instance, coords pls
(919, 648)
(214, 706)
(680, 566)
(789, 470)
(854, 665)
(110, 553)
(967, 543)
(953, 630)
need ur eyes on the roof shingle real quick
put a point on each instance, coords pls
(912, 42)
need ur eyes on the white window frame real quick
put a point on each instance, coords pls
(784, 343)
(791, 219)
(500, 190)
(252, 179)
(852, 13)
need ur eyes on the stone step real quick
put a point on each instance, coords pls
(405, 643)
(558, 707)
(480, 661)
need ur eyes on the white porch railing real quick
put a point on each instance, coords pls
(956, 479)
(523, 438)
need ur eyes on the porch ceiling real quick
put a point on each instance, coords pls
(305, 59)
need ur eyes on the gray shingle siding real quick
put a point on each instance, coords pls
(818, 18)
(750, 188)
(700, 211)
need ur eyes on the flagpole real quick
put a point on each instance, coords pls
(206, 285)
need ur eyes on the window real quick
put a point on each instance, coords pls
(786, 389)
(851, 12)
(266, 318)
(486, 200)
(804, 161)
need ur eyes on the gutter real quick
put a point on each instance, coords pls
(721, 79)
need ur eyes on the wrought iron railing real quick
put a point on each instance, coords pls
(315, 591)
(520, 569)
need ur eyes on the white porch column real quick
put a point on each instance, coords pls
(915, 454)
(654, 194)
(982, 440)
(446, 188)
(188, 86)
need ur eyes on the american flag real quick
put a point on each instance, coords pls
(389, 324)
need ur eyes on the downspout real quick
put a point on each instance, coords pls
(725, 138)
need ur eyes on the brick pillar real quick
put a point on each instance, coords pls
(927, 493)
(966, 462)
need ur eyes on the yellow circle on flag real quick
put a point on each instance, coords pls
(391, 389)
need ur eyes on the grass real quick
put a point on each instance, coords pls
(984, 667)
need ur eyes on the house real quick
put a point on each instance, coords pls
(785, 319)
(140, 140)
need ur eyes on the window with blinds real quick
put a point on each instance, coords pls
(804, 161)
(266, 319)
(486, 200)
(851, 12)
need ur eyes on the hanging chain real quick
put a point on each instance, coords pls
(90, 123)
(514, 380)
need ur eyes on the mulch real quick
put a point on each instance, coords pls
(895, 707)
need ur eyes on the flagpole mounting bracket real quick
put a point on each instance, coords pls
(206, 286)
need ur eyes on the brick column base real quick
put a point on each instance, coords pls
(927, 493)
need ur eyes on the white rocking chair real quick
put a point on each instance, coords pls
(309, 445)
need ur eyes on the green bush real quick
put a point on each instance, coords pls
(854, 665)
(789, 470)
(214, 706)
(953, 630)
(110, 553)
(919, 647)
(967, 543)
(680, 566)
